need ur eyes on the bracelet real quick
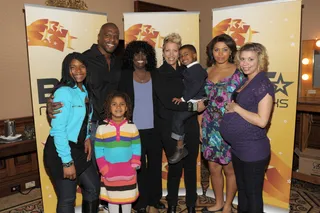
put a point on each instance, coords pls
(67, 165)
(192, 107)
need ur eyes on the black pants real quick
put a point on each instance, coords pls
(249, 178)
(66, 189)
(188, 164)
(178, 122)
(149, 175)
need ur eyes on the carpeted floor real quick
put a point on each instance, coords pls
(305, 198)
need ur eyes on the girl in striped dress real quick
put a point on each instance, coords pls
(118, 150)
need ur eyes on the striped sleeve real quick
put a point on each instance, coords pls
(136, 147)
(99, 152)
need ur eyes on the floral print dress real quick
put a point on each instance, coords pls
(214, 148)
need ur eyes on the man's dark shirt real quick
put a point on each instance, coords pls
(101, 80)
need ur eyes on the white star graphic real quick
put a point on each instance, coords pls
(285, 121)
(240, 24)
(289, 181)
(280, 153)
(286, 19)
(292, 44)
(292, 36)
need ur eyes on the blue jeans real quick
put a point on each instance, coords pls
(250, 178)
(66, 190)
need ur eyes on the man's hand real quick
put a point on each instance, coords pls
(88, 148)
(69, 172)
(176, 100)
(52, 107)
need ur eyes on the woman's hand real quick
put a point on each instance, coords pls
(52, 107)
(231, 107)
(69, 172)
(201, 106)
(88, 149)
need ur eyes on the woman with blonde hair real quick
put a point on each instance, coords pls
(244, 126)
(167, 85)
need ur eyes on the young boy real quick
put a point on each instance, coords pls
(194, 77)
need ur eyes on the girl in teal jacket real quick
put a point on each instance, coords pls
(67, 153)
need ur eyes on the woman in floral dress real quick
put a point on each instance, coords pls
(223, 79)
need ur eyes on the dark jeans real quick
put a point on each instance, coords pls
(188, 164)
(93, 129)
(66, 190)
(249, 178)
(178, 122)
(149, 175)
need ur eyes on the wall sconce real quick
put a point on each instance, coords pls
(305, 61)
(318, 43)
(305, 77)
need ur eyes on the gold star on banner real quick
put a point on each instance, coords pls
(46, 35)
(69, 41)
(143, 29)
(49, 25)
(151, 30)
(232, 23)
(59, 28)
(240, 24)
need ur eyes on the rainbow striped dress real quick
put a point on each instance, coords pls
(118, 149)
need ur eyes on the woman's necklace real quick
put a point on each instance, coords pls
(141, 80)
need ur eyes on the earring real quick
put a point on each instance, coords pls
(230, 58)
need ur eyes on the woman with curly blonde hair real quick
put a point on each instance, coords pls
(244, 125)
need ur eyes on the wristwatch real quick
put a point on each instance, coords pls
(67, 165)
(192, 107)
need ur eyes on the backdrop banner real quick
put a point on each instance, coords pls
(52, 33)
(276, 25)
(153, 27)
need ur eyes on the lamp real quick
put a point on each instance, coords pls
(305, 61)
(318, 43)
(305, 77)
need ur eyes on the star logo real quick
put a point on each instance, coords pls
(144, 32)
(240, 31)
(48, 33)
(281, 85)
